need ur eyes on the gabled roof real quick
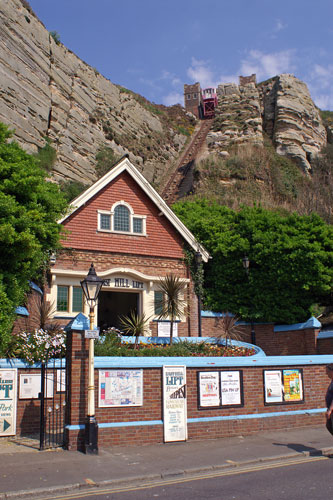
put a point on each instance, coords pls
(124, 165)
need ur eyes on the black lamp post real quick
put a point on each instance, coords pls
(246, 265)
(198, 261)
(91, 286)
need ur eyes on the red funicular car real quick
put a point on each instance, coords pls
(209, 102)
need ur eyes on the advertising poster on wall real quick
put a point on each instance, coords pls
(120, 388)
(209, 389)
(8, 396)
(174, 403)
(292, 385)
(283, 386)
(273, 386)
(231, 388)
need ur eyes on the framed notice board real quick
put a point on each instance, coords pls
(283, 386)
(217, 389)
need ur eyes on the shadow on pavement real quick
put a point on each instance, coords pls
(300, 448)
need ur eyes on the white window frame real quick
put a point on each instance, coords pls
(69, 310)
(132, 216)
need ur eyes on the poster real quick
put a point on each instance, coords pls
(61, 380)
(273, 386)
(163, 329)
(174, 403)
(120, 388)
(30, 385)
(292, 385)
(231, 388)
(209, 389)
(8, 395)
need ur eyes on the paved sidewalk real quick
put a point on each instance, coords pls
(26, 472)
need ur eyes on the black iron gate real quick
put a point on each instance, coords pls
(53, 400)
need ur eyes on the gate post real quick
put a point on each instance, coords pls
(42, 408)
(77, 382)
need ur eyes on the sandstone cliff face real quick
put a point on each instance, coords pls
(238, 116)
(46, 90)
(298, 131)
(281, 107)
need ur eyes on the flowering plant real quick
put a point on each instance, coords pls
(40, 345)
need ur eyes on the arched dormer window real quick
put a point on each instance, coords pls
(121, 219)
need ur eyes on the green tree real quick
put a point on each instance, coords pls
(172, 303)
(29, 209)
(290, 257)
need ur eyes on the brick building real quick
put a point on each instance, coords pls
(134, 239)
(192, 98)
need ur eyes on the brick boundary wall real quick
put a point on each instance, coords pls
(144, 424)
(273, 343)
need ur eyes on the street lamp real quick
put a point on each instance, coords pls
(246, 265)
(198, 261)
(91, 286)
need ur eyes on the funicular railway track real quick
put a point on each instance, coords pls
(180, 181)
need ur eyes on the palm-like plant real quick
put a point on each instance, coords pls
(229, 328)
(172, 302)
(134, 324)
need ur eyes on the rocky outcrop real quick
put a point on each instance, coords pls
(238, 117)
(329, 130)
(47, 91)
(281, 107)
(298, 129)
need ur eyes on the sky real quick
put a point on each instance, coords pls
(153, 47)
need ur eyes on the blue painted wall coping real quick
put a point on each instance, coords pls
(22, 311)
(211, 314)
(35, 287)
(192, 362)
(310, 323)
(326, 334)
(212, 362)
(80, 322)
(19, 363)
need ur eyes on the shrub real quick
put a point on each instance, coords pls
(38, 346)
(46, 155)
(106, 158)
(56, 37)
(72, 189)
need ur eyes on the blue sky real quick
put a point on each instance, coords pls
(153, 47)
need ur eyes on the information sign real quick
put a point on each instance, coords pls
(8, 396)
(120, 388)
(163, 329)
(91, 334)
(30, 386)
